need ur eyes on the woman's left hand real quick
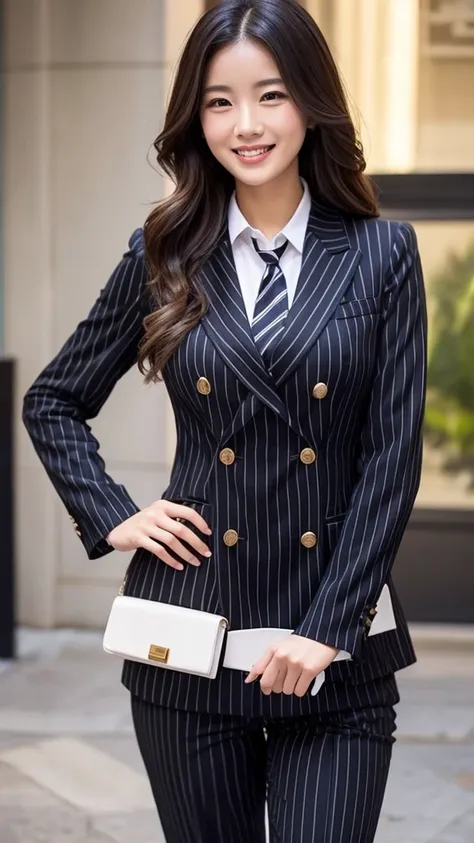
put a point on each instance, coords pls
(290, 665)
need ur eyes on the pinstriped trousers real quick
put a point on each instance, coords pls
(323, 776)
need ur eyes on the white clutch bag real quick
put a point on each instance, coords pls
(167, 636)
(191, 641)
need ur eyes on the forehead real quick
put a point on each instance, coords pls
(241, 64)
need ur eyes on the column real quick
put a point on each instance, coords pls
(84, 101)
(401, 84)
(179, 18)
(376, 48)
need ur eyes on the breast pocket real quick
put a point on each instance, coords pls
(357, 307)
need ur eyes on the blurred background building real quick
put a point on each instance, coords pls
(83, 96)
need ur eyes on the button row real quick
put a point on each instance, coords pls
(227, 456)
(319, 391)
(231, 537)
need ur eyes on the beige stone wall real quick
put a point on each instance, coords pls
(84, 93)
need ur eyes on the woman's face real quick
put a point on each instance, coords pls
(250, 123)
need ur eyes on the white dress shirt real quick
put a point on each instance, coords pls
(250, 266)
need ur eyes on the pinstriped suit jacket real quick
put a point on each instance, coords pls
(358, 325)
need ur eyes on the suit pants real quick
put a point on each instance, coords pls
(323, 776)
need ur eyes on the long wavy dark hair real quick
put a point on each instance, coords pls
(183, 230)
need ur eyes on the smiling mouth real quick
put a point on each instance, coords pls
(253, 153)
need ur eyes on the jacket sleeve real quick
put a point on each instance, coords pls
(74, 387)
(383, 498)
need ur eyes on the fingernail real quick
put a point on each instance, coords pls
(208, 553)
(209, 531)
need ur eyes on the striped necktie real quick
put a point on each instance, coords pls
(271, 307)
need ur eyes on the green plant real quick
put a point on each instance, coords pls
(449, 421)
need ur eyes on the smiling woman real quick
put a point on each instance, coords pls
(288, 324)
(253, 120)
(252, 76)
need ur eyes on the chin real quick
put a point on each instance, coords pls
(257, 178)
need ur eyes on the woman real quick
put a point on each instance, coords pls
(288, 323)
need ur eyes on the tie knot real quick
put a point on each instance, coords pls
(270, 257)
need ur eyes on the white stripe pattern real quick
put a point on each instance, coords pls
(324, 776)
(358, 325)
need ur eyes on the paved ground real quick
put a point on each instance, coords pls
(70, 771)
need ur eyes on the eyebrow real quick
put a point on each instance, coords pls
(262, 84)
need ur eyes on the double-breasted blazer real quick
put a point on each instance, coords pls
(306, 471)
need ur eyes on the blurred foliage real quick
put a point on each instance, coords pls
(449, 419)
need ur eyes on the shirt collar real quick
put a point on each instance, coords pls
(294, 230)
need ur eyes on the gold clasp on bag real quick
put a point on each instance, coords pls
(158, 654)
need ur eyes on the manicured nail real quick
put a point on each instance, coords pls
(208, 553)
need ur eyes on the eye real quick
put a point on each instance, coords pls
(274, 95)
(218, 103)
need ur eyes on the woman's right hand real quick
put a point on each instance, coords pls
(156, 528)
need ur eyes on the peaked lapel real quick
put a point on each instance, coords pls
(228, 328)
(327, 269)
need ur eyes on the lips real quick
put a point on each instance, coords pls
(254, 152)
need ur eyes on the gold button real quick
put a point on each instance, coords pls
(230, 537)
(309, 540)
(307, 456)
(320, 390)
(227, 456)
(203, 386)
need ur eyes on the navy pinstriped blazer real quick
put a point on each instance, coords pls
(358, 326)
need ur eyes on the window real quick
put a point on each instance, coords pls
(447, 250)
(408, 67)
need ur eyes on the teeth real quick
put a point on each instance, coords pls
(252, 153)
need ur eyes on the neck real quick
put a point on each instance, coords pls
(268, 207)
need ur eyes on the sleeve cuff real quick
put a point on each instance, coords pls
(93, 534)
(350, 639)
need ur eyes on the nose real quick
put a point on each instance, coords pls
(248, 124)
